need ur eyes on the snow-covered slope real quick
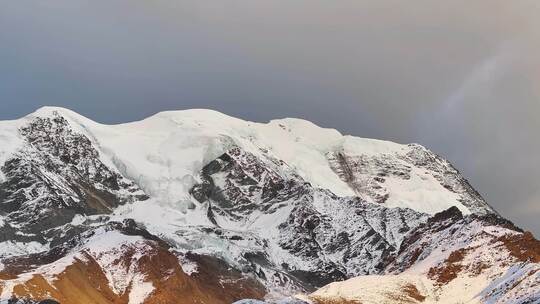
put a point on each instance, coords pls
(164, 154)
(270, 209)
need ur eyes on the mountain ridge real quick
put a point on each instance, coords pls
(270, 210)
(317, 143)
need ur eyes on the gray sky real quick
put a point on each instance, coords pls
(460, 77)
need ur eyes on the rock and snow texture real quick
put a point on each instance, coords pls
(55, 175)
(243, 210)
(452, 259)
(164, 154)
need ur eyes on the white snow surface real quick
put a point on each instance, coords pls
(10, 140)
(164, 153)
(140, 290)
(11, 248)
(372, 289)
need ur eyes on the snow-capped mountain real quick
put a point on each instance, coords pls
(199, 207)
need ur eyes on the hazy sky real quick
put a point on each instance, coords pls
(460, 77)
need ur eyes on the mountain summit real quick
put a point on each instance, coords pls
(198, 207)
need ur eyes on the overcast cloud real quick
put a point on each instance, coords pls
(461, 77)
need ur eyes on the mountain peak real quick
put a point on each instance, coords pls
(239, 208)
(379, 171)
(52, 110)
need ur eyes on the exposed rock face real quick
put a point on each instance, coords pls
(238, 184)
(57, 175)
(231, 215)
(323, 238)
